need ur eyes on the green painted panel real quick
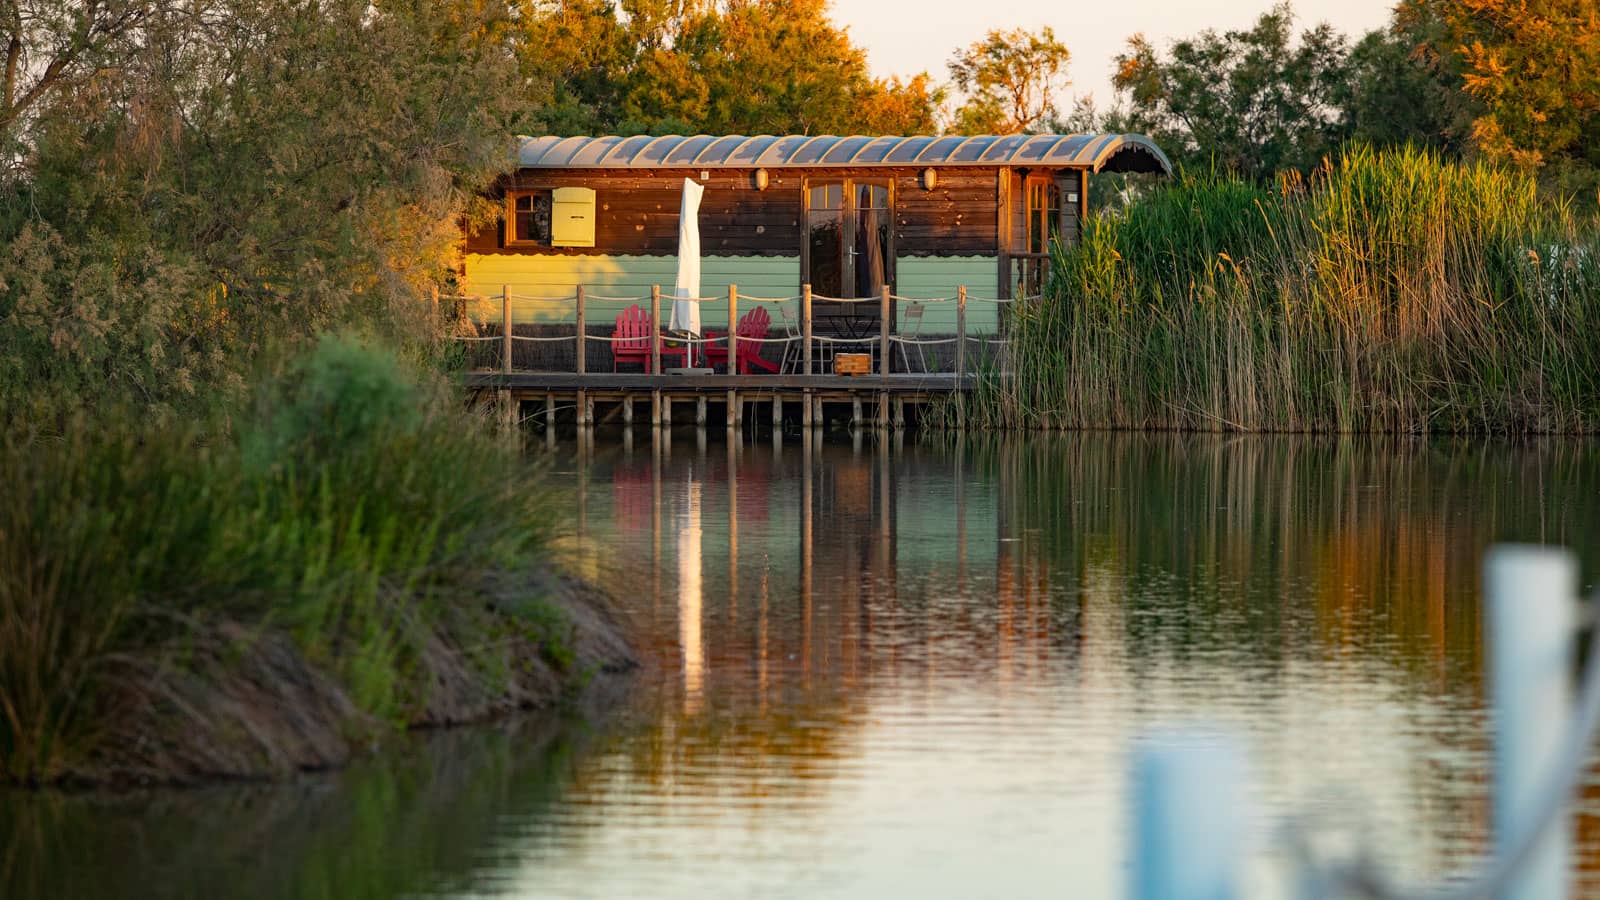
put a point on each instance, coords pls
(543, 285)
(940, 276)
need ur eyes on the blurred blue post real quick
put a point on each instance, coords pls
(1531, 594)
(1189, 816)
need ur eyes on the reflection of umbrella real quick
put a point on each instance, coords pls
(689, 598)
(686, 314)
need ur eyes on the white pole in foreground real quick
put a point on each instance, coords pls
(1189, 817)
(1532, 609)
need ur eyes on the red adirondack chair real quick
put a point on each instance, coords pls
(752, 324)
(633, 341)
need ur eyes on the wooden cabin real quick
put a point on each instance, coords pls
(846, 215)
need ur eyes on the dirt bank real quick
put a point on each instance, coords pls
(236, 703)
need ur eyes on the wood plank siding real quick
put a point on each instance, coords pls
(637, 212)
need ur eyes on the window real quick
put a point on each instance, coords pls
(1044, 214)
(1044, 226)
(528, 218)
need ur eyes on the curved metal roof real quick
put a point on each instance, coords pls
(1096, 152)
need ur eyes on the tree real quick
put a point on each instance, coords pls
(51, 45)
(1534, 66)
(736, 66)
(1252, 101)
(1403, 91)
(899, 107)
(1011, 79)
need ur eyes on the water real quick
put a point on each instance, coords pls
(886, 669)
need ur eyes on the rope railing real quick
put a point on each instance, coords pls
(878, 343)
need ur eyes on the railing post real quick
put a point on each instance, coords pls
(1188, 813)
(1532, 617)
(805, 325)
(505, 328)
(655, 329)
(883, 332)
(583, 334)
(961, 333)
(733, 336)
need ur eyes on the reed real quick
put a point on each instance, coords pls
(1390, 292)
(351, 504)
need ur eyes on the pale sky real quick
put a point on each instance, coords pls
(903, 37)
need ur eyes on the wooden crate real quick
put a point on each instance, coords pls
(852, 364)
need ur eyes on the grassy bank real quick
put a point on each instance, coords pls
(1391, 292)
(268, 587)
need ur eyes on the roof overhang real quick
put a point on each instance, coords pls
(1093, 152)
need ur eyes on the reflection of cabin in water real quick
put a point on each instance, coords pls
(847, 215)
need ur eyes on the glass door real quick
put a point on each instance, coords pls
(849, 252)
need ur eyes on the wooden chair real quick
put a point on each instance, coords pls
(753, 324)
(633, 340)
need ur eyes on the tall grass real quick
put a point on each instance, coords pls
(1390, 292)
(352, 505)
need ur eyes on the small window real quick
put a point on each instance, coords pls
(528, 218)
(1044, 214)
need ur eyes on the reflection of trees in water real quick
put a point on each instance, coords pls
(419, 817)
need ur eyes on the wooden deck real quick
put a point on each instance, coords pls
(811, 400)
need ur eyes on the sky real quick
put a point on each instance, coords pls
(903, 37)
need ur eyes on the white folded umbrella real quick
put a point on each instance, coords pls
(686, 314)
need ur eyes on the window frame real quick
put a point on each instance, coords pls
(511, 239)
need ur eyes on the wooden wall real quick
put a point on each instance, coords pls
(637, 211)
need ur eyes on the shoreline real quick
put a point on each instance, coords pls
(241, 705)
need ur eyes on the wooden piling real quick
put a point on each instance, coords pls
(733, 334)
(655, 409)
(961, 333)
(855, 410)
(805, 326)
(583, 334)
(627, 410)
(655, 334)
(883, 332)
(733, 409)
(700, 411)
(505, 328)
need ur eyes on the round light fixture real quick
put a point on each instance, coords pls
(930, 179)
(759, 179)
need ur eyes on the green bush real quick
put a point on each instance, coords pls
(353, 503)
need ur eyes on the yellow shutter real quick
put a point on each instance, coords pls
(572, 217)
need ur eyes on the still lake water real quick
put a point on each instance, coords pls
(914, 669)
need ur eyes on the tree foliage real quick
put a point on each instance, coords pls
(1253, 101)
(240, 173)
(736, 67)
(1534, 66)
(1011, 78)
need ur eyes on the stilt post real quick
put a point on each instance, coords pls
(583, 334)
(883, 332)
(805, 326)
(655, 329)
(505, 328)
(961, 334)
